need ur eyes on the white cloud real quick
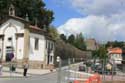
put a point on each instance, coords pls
(99, 7)
(105, 19)
(101, 28)
(61, 3)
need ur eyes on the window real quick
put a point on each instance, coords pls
(51, 59)
(10, 38)
(52, 46)
(8, 47)
(48, 45)
(36, 43)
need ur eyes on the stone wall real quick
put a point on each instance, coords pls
(40, 65)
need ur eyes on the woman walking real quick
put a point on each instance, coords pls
(26, 66)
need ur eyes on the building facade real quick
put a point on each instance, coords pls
(20, 42)
(116, 55)
(91, 44)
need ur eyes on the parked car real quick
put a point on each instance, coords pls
(82, 68)
(101, 69)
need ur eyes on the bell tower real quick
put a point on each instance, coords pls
(11, 10)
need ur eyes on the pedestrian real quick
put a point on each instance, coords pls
(10, 67)
(0, 67)
(25, 66)
(13, 67)
(109, 68)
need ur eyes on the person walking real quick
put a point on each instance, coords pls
(109, 68)
(26, 66)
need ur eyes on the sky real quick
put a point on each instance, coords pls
(103, 20)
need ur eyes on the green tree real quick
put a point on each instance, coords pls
(102, 52)
(34, 8)
(79, 42)
(118, 44)
(95, 54)
(53, 32)
(63, 37)
(71, 39)
(115, 44)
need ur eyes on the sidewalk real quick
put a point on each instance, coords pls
(31, 72)
(19, 72)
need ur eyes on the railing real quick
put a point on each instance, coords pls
(82, 70)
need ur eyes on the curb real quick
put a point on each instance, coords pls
(29, 74)
(12, 77)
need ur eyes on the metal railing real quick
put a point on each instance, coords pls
(79, 69)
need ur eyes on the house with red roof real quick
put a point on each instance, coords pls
(115, 54)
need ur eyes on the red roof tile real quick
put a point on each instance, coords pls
(115, 51)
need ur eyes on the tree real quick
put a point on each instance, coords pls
(63, 37)
(115, 44)
(71, 39)
(53, 32)
(35, 9)
(79, 42)
(102, 52)
(118, 44)
(95, 54)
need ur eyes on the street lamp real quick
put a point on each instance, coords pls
(58, 59)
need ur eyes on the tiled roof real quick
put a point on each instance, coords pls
(115, 51)
(35, 27)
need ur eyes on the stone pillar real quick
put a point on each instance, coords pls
(26, 45)
(15, 57)
(2, 50)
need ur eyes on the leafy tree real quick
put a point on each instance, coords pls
(53, 32)
(109, 44)
(115, 44)
(63, 37)
(79, 42)
(71, 39)
(95, 54)
(102, 52)
(118, 44)
(34, 8)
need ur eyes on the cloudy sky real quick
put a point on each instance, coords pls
(103, 20)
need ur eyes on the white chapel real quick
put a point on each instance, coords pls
(20, 41)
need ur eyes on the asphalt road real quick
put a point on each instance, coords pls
(48, 78)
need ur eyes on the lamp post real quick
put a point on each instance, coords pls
(58, 59)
